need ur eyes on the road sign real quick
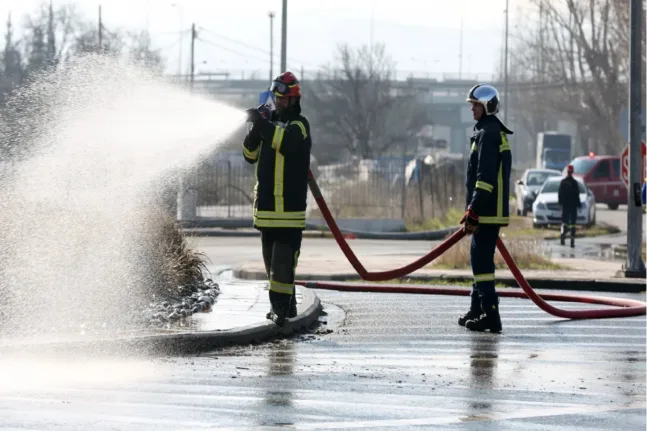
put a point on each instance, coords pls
(624, 162)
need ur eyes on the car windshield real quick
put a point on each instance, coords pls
(557, 156)
(582, 166)
(537, 178)
(553, 187)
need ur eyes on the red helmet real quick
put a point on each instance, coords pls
(570, 169)
(286, 84)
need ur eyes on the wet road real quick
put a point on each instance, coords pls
(392, 362)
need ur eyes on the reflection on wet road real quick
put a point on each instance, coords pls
(393, 361)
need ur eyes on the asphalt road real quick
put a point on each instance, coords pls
(392, 361)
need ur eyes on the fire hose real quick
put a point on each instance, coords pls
(623, 307)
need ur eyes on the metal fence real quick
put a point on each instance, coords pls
(225, 189)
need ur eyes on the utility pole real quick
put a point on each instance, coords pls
(635, 266)
(193, 36)
(100, 30)
(284, 37)
(460, 47)
(271, 15)
(505, 67)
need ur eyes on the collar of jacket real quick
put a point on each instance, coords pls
(490, 119)
(285, 116)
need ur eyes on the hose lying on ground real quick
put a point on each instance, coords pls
(623, 307)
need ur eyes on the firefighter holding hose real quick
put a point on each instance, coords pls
(279, 144)
(568, 198)
(488, 184)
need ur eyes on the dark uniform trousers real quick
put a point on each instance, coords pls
(281, 248)
(569, 220)
(482, 258)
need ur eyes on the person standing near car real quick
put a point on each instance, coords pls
(568, 198)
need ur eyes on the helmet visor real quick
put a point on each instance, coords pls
(279, 88)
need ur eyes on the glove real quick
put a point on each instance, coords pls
(256, 114)
(253, 115)
(471, 221)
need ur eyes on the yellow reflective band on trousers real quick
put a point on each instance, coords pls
(284, 288)
(484, 186)
(294, 219)
(483, 277)
(499, 218)
(253, 155)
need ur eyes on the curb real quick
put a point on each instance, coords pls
(433, 235)
(179, 343)
(540, 283)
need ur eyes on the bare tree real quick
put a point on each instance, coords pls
(584, 49)
(357, 108)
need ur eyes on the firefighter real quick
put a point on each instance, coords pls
(279, 143)
(488, 184)
(568, 198)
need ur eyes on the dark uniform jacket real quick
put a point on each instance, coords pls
(488, 172)
(568, 195)
(281, 151)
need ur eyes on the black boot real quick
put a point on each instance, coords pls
(281, 304)
(473, 313)
(293, 307)
(488, 321)
(572, 237)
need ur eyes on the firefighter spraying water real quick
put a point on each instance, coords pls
(279, 144)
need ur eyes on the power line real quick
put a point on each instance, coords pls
(233, 51)
(254, 48)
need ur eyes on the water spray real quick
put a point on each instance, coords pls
(91, 145)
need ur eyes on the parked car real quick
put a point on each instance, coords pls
(528, 186)
(547, 211)
(602, 176)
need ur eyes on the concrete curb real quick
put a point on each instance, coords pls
(539, 283)
(178, 343)
(409, 236)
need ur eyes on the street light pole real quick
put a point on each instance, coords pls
(179, 66)
(505, 68)
(635, 267)
(271, 15)
(284, 36)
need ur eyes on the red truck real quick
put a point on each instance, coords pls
(602, 175)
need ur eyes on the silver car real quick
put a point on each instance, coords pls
(528, 186)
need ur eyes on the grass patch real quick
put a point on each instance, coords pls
(527, 254)
(519, 227)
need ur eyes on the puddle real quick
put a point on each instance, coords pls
(604, 252)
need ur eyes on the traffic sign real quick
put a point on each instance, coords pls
(624, 162)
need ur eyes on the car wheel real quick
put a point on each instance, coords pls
(524, 212)
(613, 206)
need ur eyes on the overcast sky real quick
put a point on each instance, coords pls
(421, 36)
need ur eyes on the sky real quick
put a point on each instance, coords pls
(422, 37)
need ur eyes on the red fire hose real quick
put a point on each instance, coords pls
(627, 307)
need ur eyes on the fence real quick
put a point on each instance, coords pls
(225, 190)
